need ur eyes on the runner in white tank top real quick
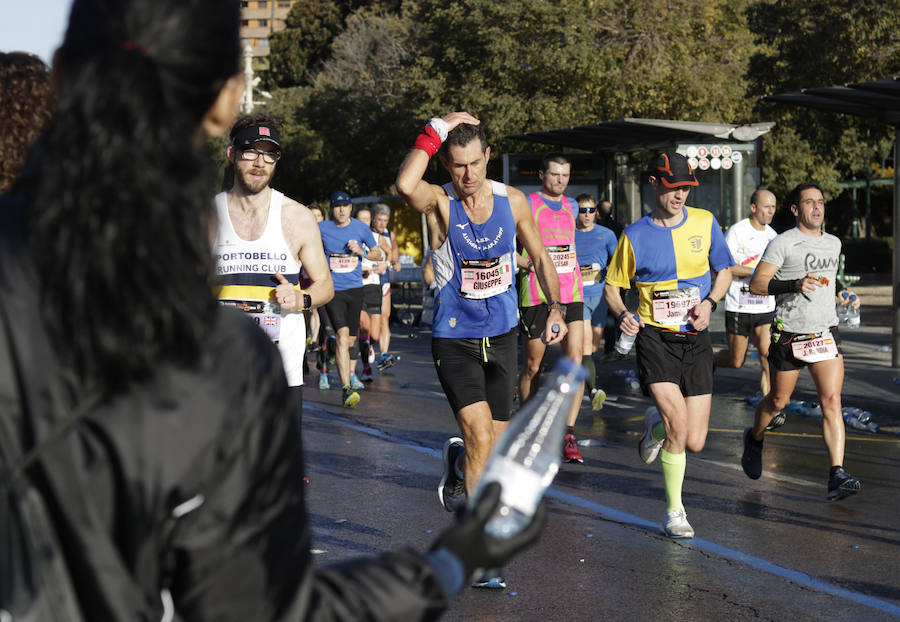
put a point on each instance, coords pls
(262, 240)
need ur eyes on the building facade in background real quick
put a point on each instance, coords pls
(259, 19)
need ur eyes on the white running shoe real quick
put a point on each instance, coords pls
(676, 525)
(598, 396)
(355, 383)
(648, 447)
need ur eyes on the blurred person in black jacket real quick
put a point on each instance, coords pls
(184, 477)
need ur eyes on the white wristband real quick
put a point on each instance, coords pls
(440, 126)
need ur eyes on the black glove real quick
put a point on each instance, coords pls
(477, 550)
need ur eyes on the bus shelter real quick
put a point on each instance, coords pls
(724, 157)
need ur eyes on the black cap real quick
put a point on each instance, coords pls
(340, 198)
(254, 134)
(672, 169)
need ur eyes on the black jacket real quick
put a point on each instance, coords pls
(190, 482)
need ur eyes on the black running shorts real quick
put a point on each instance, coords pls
(737, 323)
(781, 352)
(682, 358)
(372, 299)
(478, 370)
(344, 308)
(533, 320)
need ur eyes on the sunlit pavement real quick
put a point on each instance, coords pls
(771, 549)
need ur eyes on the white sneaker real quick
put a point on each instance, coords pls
(355, 383)
(676, 525)
(648, 447)
(598, 396)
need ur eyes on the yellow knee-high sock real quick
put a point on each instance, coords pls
(673, 466)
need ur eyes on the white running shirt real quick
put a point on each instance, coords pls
(747, 246)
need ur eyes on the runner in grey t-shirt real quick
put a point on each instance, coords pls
(800, 268)
(797, 254)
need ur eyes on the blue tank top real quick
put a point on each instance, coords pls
(474, 270)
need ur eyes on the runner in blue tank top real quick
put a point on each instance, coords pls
(473, 223)
(474, 271)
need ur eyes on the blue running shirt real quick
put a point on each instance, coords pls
(346, 268)
(474, 271)
(594, 249)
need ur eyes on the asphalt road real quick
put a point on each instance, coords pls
(771, 549)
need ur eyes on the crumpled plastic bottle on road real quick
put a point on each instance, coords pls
(859, 419)
(807, 409)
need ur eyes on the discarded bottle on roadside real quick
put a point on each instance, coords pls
(859, 419)
(841, 307)
(625, 342)
(865, 419)
(812, 409)
(850, 415)
(526, 457)
(808, 409)
(852, 313)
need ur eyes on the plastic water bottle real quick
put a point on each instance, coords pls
(554, 328)
(810, 409)
(865, 420)
(841, 307)
(526, 457)
(859, 419)
(850, 415)
(625, 342)
(852, 313)
(795, 407)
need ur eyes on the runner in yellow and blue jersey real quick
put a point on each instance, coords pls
(669, 253)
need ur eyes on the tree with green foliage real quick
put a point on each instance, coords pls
(819, 43)
(294, 52)
(297, 52)
(369, 74)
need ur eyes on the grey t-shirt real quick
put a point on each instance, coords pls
(798, 254)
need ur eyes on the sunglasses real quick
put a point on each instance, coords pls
(587, 210)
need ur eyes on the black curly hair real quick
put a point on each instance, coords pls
(26, 105)
(120, 227)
